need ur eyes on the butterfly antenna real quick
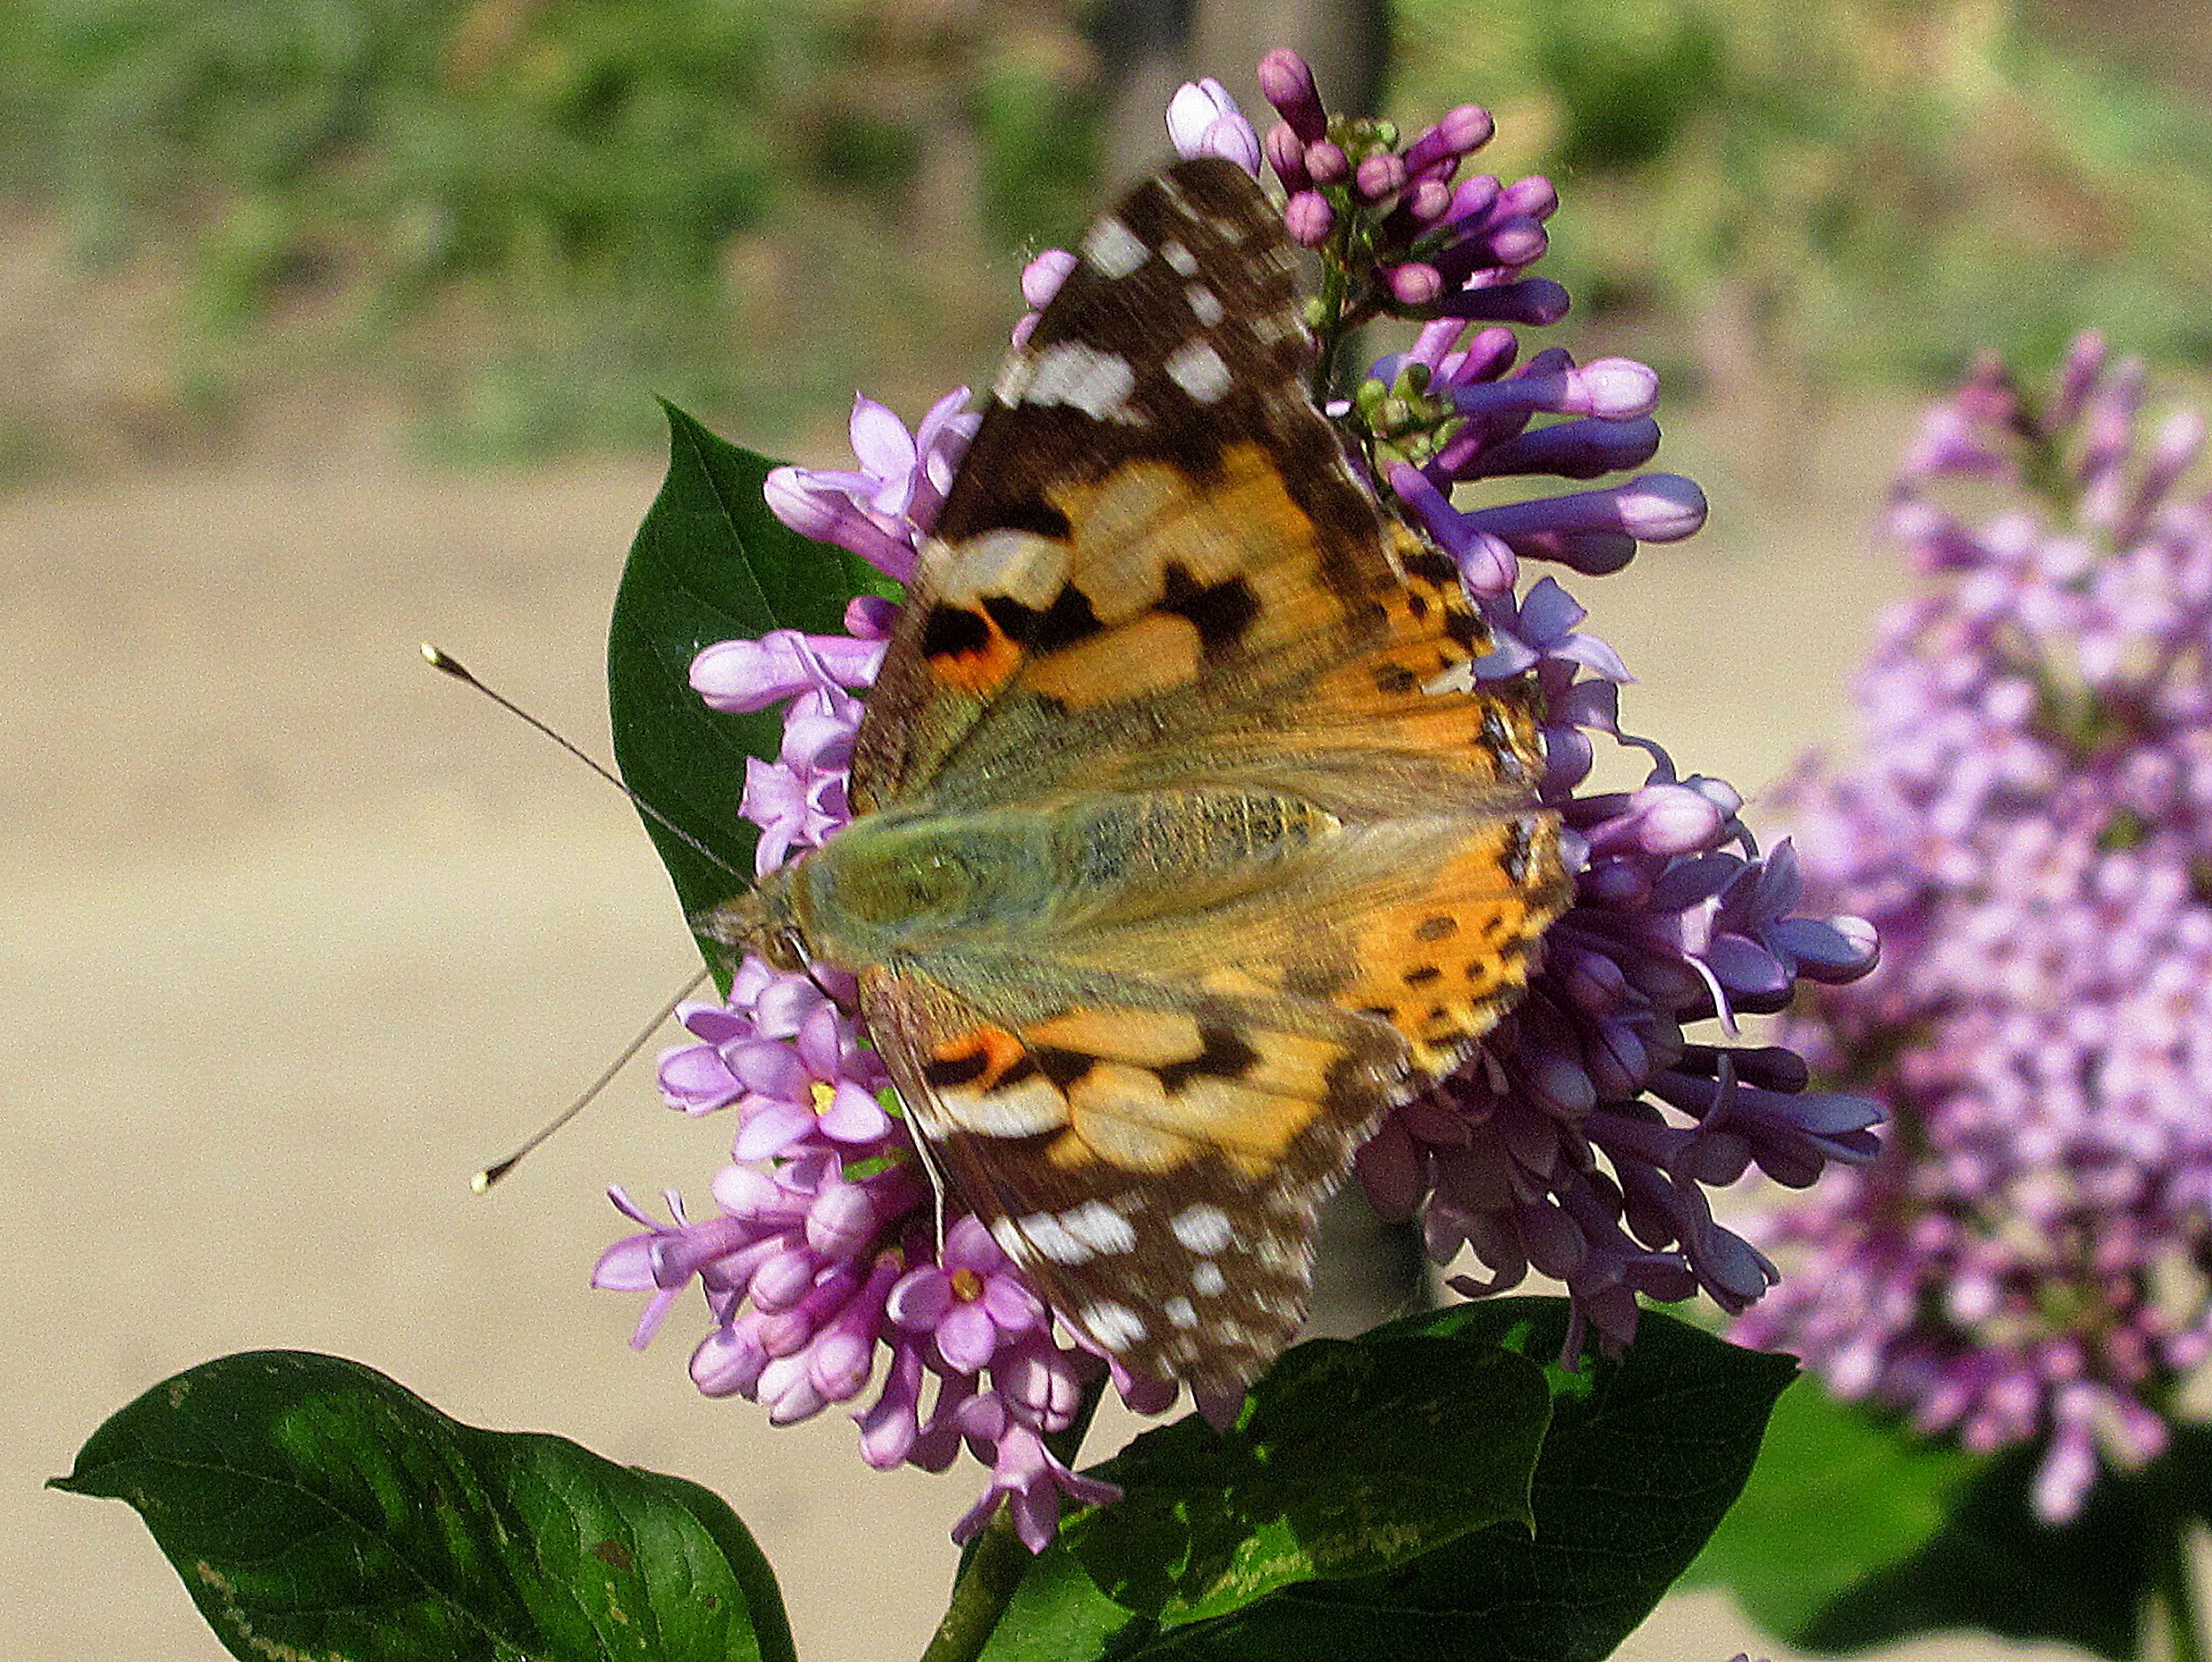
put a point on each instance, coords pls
(446, 663)
(498, 1169)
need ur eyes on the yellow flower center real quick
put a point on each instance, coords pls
(967, 1286)
(824, 1095)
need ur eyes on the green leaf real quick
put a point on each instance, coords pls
(2191, 1463)
(1882, 1494)
(314, 1507)
(1057, 1614)
(1994, 1566)
(1350, 1457)
(710, 562)
(1642, 1459)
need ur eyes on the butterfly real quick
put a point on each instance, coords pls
(1185, 846)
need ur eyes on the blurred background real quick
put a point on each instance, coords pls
(329, 325)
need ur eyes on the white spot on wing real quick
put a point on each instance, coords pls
(1181, 1312)
(1019, 563)
(1203, 1227)
(1010, 1238)
(1113, 250)
(1027, 1109)
(1199, 370)
(1096, 383)
(1208, 1279)
(1099, 1227)
(1205, 303)
(1113, 1325)
(1181, 258)
(1046, 1234)
(1013, 378)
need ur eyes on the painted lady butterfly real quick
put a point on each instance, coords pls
(1170, 874)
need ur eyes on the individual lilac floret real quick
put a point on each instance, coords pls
(972, 1302)
(2030, 826)
(820, 1257)
(882, 512)
(1204, 120)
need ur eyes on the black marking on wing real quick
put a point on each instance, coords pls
(1221, 1055)
(952, 631)
(1221, 612)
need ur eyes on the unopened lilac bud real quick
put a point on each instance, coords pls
(1203, 119)
(1286, 154)
(728, 1361)
(1042, 277)
(2179, 443)
(1583, 449)
(1661, 508)
(1309, 218)
(1286, 80)
(1673, 819)
(843, 1221)
(784, 1280)
(786, 1393)
(1463, 130)
(1473, 199)
(1535, 300)
(1534, 196)
(1413, 284)
(1378, 176)
(2084, 363)
(1617, 389)
(1327, 164)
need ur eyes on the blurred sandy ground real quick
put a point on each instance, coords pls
(296, 934)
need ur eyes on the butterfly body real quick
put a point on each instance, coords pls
(1187, 846)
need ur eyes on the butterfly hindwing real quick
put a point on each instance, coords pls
(1154, 1171)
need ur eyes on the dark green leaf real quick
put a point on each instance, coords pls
(1882, 1494)
(1641, 1461)
(1059, 1615)
(710, 562)
(315, 1507)
(1993, 1567)
(1350, 1457)
(2191, 1463)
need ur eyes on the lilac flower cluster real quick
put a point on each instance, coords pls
(2029, 823)
(1578, 1142)
(820, 1253)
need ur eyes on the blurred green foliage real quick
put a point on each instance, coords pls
(1858, 188)
(520, 215)
(529, 212)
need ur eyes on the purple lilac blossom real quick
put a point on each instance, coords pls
(2029, 822)
(1578, 1142)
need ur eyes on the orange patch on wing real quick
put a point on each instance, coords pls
(1443, 966)
(983, 1057)
(980, 668)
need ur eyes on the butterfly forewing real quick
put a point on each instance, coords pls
(1167, 644)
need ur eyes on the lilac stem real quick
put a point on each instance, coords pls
(994, 1566)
